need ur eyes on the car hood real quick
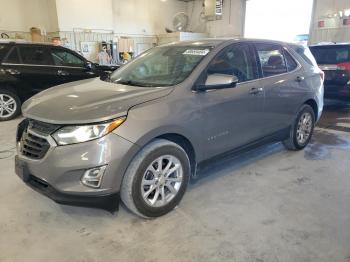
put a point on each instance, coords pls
(88, 101)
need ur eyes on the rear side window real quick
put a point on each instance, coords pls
(13, 57)
(3, 51)
(271, 59)
(290, 62)
(64, 58)
(331, 54)
(305, 54)
(35, 55)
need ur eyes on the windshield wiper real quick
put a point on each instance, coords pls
(130, 83)
(134, 83)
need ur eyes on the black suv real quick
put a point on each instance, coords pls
(28, 68)
(334, 60)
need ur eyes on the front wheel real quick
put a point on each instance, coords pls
(156, 179)
(302, 129)
(10, 105)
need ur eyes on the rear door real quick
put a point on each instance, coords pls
(334, 60)
(70, 67)
(282, 79)
(232, 115)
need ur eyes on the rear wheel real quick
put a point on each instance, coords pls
(302, 129)
(156, 179)
(10, 105)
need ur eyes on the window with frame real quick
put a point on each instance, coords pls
(271, 59)
(332, 55)
(13, 57)
(290, 62)
(3, 50)
(64, 58)
(35, 55)
(305, 54)
(235, 60)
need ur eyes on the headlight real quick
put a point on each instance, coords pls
(78, 134)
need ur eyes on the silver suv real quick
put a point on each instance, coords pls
(141, 135)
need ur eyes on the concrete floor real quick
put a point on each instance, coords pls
(267, 205)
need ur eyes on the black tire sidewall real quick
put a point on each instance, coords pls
(304, 109)
(18, 104)
(138, 200)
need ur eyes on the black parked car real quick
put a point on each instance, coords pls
(28, 68)
(334, 60)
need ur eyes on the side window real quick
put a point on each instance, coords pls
(235, 60)
(64, 58)
(291, 64)
(305, 53)
(271, 59)
(13, 57)
(3, 50)
(35, 55)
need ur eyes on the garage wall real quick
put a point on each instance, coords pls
(84, 14)
(19, 15)
(321, 9)
(145, 17)
(132, 17)
(231, 23)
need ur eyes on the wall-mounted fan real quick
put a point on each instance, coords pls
(180, 23)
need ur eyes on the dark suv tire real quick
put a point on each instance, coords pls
(10, 105)
(156, 179)
(302, 129)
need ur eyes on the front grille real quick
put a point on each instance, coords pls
(42, 128)
(33, 146)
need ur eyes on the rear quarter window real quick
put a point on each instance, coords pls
(305, 54)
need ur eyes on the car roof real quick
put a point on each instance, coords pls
(329, 44)
(24, 42)
(218, 41)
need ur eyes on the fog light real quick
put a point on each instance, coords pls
(93, 177)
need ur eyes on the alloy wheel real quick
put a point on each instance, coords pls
(162, 180)
(8, 106)
(304, 128)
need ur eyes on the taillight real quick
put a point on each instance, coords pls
(344, 66)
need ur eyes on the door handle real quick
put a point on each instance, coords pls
(300, 79)
(13, 71)
(256, 90)
(62, 73)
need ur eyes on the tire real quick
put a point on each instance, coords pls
(15, 106)
(294, 142)
(142, 171)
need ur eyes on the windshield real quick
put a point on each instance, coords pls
(161, 66)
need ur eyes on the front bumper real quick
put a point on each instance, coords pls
(58, 174)
(109, 202)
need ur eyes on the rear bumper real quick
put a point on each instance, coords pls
(337, 92)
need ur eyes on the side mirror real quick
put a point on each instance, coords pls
(218, 81)
(88, 65)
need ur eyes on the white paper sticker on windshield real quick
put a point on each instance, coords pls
(201, 52)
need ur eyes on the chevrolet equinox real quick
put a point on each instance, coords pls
(140, 135)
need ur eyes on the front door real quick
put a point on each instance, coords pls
(70, 67)
(231, 115)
